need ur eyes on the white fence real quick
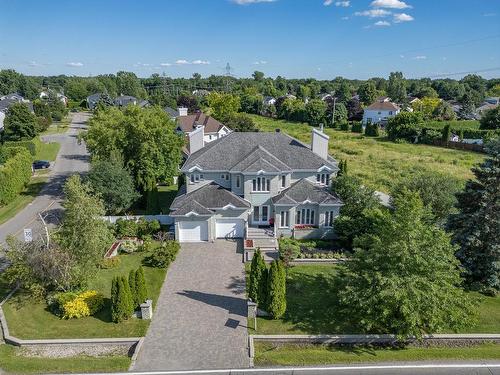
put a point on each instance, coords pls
(163, 219)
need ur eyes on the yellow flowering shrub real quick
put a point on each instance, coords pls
(85, 304)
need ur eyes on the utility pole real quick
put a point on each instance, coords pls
(46, 228)
(333, 112)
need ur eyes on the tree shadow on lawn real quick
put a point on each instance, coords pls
(312, 305)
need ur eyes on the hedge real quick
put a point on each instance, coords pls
(14, 174)
(31, 146)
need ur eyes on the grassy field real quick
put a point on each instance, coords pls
(58, 127)
(13, 361)
(22, 200)
(379, 162)
(457, 125)
(302, 355)
(312, 307)
(30, 319)
(47, 151)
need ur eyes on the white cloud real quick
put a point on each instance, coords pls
(345, 18)
(262, 62)
(343, 4)
(373, 13)
(34, 64)
(327, 2)
(421, 57)
(246, 2)
(402, 56)
(382, 23)
(201, 62)
(165, 64)
(489, 14)
(74, 64)
(394, 4)
(182, 62)
(402, 17)
(144, 65)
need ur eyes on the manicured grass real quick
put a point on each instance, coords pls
(13, 361)
(456, 125)
(29, 319)
(58, 127)
(312, 307)
(379, 162)
(301, 355)
(22, 200)
(47, 151)
(166, 195)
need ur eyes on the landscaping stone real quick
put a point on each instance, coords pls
(62, 351)
(147, 309)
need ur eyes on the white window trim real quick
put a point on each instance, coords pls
(329, 218)
(261, 185)
(323, 179)
(238, 181)
(305, 216)
(283, 181)
(284, 219)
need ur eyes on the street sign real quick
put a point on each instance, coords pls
(28, 235)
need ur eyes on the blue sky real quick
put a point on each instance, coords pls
(293, 38)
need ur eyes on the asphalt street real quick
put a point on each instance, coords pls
(72, 158)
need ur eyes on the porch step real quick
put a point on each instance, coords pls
(260, 233)
(265, 243)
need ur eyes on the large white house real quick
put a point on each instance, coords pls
(380, 111)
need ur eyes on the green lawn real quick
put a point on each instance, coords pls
(58, 127)
(47, 151)
(166, 195)
(22, 200)
(312, 307)
(379, 162)
(13, 361)
(302, 355)
(456, 125)
(30, 319)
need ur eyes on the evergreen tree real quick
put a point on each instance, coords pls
(403, 277)
(115, 291)
(446, 133)
(276, 305)
(257, 272)
(341, 168)
(140, 284)
(133, 288)
(263, 292)
(476, 226)
(128, 305)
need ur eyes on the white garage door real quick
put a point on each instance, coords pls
(193, 231)
(232, 228)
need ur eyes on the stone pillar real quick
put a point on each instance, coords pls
(252, 312)
(147, 309)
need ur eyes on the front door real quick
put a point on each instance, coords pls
(260, 215)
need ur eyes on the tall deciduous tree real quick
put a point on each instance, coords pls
(476, 226)
(315, 111)
(113, 183)
(223, 105)
(396, 88)
(19, 124)
(367, 92)
(83, 233)
(491, 119)
(146, 139)
(403, 277)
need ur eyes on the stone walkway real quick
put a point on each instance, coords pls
(200, 321)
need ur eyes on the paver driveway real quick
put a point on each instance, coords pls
(200, 321)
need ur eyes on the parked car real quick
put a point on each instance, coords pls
(41, 164)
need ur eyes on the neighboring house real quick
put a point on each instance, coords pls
(201, 92)
(380, 111)
(186, 123)
(45, 95)
(7, 100)
(92, 100)
(125, 100)
(326, 97)
(144, 103)
(493, 100)
(249, 181)
(486, 106)
(269, 100)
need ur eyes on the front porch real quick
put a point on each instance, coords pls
(263, 238)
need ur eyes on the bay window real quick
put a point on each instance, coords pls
(305, 216)
(329, 218)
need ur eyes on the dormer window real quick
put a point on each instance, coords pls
(195, 177)
(224, 176)
(261, 184)
(323, 178)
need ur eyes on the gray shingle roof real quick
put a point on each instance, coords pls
(205, 199)
(171, 112)
(229, 153)
(305, 190)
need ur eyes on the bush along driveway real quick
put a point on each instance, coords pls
(200, 320)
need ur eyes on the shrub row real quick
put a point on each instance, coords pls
(31, 146)
(15, 173)
(127, 294)
(139, 228)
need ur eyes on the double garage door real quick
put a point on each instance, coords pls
(197, 231)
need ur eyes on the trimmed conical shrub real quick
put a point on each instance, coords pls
(115, 291)
(129, 303)
(140, 285)
(133, 288)
(276, 303)
(257, 275)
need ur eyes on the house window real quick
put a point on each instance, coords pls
(329, 217)
(305, 216)
(284, 221)
(323, 178)
(224, 176)
(195, 177)
(191, 178)
(390, 112)
(283, 181)
(238, 181)
(261, 184)
(210, 137)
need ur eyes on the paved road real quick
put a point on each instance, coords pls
(72, 158)
(200, 320)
